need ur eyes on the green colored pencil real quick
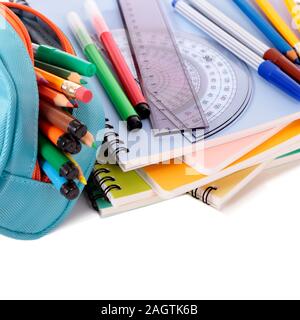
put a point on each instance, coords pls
(60, 72)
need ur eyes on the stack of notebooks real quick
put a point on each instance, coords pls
(252, 125)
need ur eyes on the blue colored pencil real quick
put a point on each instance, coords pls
(67, 188)
(268, 30)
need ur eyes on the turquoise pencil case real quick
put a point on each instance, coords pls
(29, 208)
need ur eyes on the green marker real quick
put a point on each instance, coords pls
(57, 159)
(63, 59)
(104, 74)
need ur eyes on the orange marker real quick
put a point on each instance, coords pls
(52, 96)
(71, 89)
(64, 141)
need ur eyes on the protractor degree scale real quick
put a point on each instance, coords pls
(222, 83)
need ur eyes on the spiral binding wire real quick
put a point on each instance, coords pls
(96, 175)
(205, 195)
(111, 138)
(94, 193)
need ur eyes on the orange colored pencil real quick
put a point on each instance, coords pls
(52, 96)
(40, 79)
(71, 89)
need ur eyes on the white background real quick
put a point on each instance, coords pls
(180, 249)
(177, 250)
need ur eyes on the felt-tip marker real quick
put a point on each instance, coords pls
(266, 69)
(67, 188)
(104, 74)
(127, 80)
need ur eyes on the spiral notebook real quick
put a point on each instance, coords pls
(137, 149)
(170, 180)
(220, 192)
(119, 187)
(215, 194)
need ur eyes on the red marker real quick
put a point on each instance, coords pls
(131, 88)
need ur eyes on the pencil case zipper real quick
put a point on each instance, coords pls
(19, 27)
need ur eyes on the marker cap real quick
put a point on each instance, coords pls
(96, 17)
(70, 190)
(277, 77)
(77, 129)
(69, 171)
(79, 30)
(134, 122)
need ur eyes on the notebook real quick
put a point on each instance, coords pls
(220, 192)
(285, 159)
(106, 209)
(215, 194)
(173, 179)
(211, 159)
(137, 149)
(120, 187)
(214, 159)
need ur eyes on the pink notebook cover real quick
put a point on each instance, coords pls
(214, 159)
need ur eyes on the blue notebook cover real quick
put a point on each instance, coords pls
(267, 107)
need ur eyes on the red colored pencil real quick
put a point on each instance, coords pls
(55, 97)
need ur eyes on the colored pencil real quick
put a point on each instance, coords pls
(56, 98)
(62, 120)
(69, 88)
(125, 76)
(242, 35)
(60, 72)
(40, 79)
(89, 140)
(266, 69)
(294, 10)
(81, 178)
(268, 30)
(277, 21)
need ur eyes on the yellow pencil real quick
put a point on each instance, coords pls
(81, 178)
(294, 10)
(279, 24)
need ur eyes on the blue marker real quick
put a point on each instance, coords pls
(266, 69)
(268, 30)
(67, 188)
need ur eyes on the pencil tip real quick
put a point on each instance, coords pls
(82, 81)
(83, 181)
(69, 105)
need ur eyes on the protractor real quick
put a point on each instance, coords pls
(221, 82)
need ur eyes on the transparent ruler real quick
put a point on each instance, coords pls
(175, 105)
(221, 81)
